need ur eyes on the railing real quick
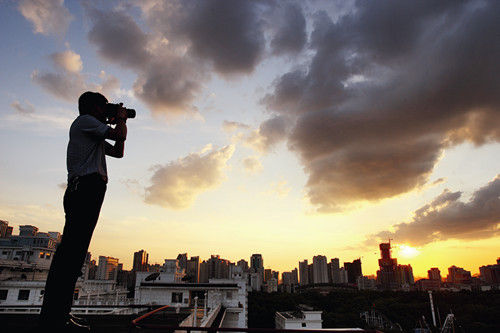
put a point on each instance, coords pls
(137, 324)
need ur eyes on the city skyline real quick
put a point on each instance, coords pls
(290, 129)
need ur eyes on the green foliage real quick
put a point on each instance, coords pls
(474, 311)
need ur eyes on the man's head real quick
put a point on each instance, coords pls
(92, 103)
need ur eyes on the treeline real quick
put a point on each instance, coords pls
(474, 311)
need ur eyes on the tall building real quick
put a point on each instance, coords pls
(295, 277)
(353, 270)
(334, 270)
(320, 269)
(193, 269)
(257, 265)
(404, 275)
(182, 258)
(303, 273)
(343, 276)
(434, 274)
(310, 273)
(458, 275)
(140, 263)
(268, 274)
(386, 275)
(107, 268)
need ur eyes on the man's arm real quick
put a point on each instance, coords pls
(117, 134)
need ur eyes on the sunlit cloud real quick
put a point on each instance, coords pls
(49, 17)
(176, 185)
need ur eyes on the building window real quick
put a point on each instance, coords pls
(3, 294)
(229, 295)
(47, 256)
(176, 297)
(24, 295)
(42, 255)
(5, 253)
(303, 324)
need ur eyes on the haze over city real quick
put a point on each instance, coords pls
(294, 129)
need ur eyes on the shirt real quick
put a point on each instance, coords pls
(86, 147)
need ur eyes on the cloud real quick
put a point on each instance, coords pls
(446, 217)
(68, 61)
(49, 17)
(389, 87)
(68, 83)
(289, 27)
(252, 165)
(280, 188)
(27, 108)
(269, 134)
(176, 185)
(232, 126)
(65, 86)
(228, 35)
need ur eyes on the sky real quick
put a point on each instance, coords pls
(286, 128)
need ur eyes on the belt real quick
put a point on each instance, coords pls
(73, 183)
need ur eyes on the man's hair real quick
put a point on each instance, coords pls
(88, 100)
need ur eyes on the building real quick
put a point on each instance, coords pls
(366, 283)
(107, 268)
(386, 275)
(353, 270)
(5, 230)
(268, 274)
(257, 265)
(182, 258)
(295, 277)
(304, 318)
(271, 285)
(458, 275)
(243, 264)
(343, 278)
(320, 269)
(303, 273)
(404, 275)
(490, 274)
(334, 270)
(140, 263)
(434, 274)
(227, 295)
(193, 269)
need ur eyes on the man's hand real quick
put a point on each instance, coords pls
(120, 114)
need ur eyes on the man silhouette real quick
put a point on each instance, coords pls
(87, 179)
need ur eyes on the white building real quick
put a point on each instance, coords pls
(343, 275)
(210, 297)
(365, 283)
(302, 319)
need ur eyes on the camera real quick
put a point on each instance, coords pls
(112, 110)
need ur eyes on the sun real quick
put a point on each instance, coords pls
(406, 251)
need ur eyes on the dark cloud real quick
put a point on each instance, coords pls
(227, 33)
(388, 88)
(290, 32)
(446, 217)
(118, 38)
(177, 184)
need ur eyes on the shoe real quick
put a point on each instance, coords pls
(73, 326)
(78, 320)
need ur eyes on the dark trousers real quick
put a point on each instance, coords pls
(82, 203)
